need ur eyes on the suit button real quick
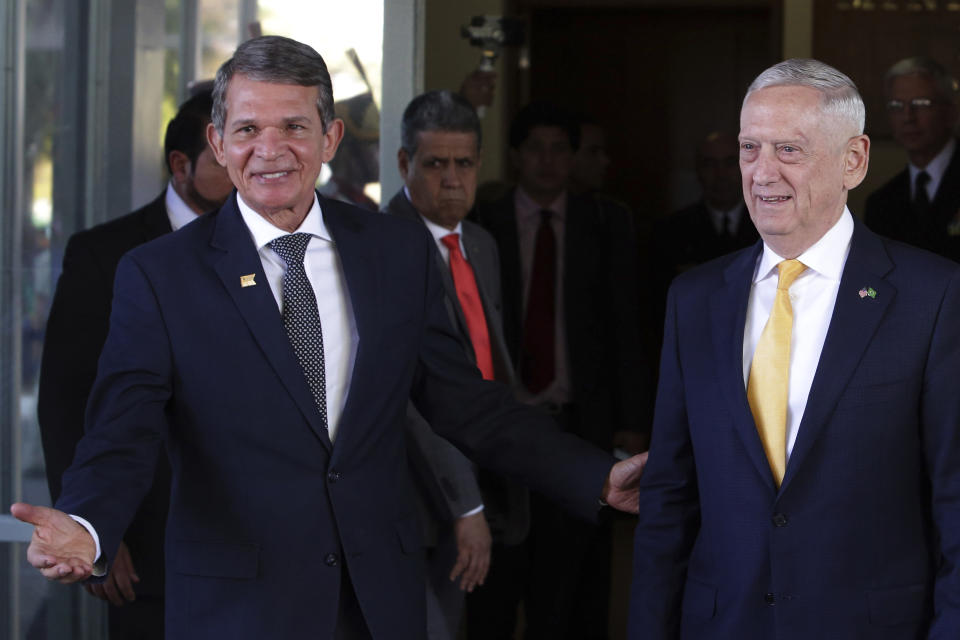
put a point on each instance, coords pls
(779, 520)
(770, 599)
(333, 475)
(331, 560)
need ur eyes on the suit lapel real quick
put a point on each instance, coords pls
(360, 268)
(237, 256)
(854, 322)
(728, 313)
(400, 206)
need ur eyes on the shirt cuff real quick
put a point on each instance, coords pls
(99, 567)
(472, 512)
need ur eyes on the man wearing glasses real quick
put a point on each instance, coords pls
(921, 204)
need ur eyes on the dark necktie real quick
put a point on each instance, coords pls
(301, 318)
(465, 282)
(921, 200)
(537, 366)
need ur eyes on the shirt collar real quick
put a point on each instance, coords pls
(936, 167)
(827, 255)
(178, 212)
(264, 232)
(439, 232)
(527, 207)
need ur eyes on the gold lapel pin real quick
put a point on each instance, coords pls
(247, 281)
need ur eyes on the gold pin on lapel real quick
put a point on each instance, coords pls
(247, 281)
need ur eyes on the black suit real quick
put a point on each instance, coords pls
(76, 330)
(889, 212)
(607, 368)
(568, 583)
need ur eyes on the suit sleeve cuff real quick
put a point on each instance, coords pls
(99, 564)
(472, 512)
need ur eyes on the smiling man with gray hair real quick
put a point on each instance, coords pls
(804, 474)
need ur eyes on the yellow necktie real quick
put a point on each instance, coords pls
(769, 381)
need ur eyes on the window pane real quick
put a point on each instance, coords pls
(39, 610)
(218, 34)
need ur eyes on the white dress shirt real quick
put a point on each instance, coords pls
(179, 212)
(438, 232)
(935, 169)
(325, 272)
(340, 339)
(812, 297)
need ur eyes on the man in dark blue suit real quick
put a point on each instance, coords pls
(804, 478)
(273, 347)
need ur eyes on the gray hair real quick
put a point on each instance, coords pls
(274, 59)
(840, 98)
(924, 66)
(437, 111)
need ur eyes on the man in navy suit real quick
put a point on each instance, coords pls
(273, 347)
(840, 518)
(438, 160)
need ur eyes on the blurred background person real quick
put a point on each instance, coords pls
(921, 204)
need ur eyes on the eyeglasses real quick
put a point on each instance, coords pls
(917, 104)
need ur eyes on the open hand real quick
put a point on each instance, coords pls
(620, 490)
(60, 548)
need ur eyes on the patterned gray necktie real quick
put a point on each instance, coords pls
(300, 316)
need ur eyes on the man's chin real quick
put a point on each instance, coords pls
(452, 213)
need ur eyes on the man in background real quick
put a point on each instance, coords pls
(76, 330)
(462, 508)
(591, 161)
(714, 225)
(570, 309)
(921, 204)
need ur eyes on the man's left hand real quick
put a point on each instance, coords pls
(473, 551)
(620, 489)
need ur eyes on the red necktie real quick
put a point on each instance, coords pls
(469, 296)
(537, 368)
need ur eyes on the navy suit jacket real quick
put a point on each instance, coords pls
(265, 512)
(863, 537)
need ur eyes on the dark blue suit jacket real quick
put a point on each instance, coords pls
(264, 511)
(863, 538)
